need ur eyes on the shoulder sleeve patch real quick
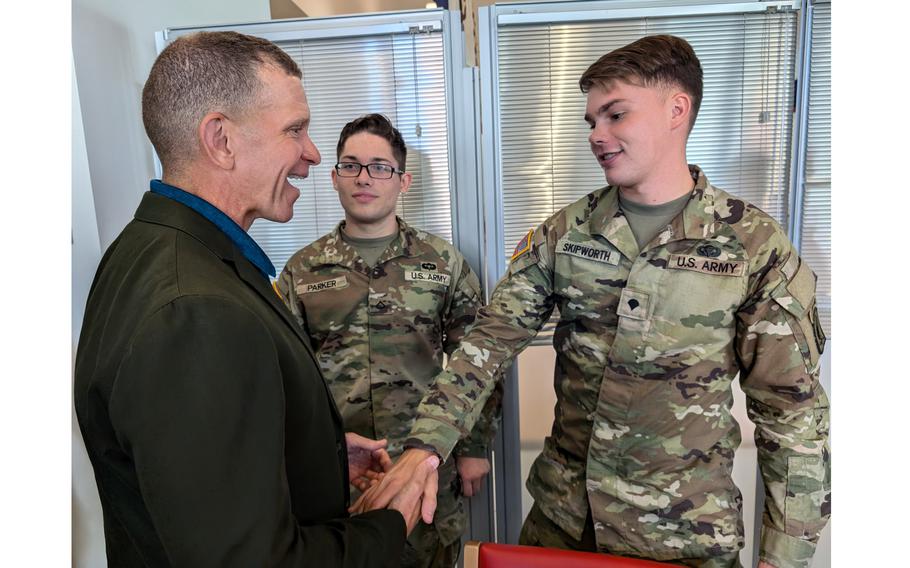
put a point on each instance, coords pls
(524, 245)
(277, 290)
(789, 267)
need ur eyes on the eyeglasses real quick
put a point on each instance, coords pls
(375, 171)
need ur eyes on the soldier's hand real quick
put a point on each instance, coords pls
(418, 497)
(472, 471)
(764, 564)
(409, 474)
(367, 460)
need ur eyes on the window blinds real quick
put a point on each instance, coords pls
(400, 75)
(741, 138)
(815, 235)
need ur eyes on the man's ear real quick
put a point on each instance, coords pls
(680, 110)
(215, 140)
(405, 182)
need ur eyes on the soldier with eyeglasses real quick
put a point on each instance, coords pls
(383, 301)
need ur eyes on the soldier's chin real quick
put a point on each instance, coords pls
(615, 179)
(368, 218)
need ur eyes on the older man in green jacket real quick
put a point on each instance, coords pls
(213, 436)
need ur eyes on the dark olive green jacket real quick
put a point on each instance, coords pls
(213, 436)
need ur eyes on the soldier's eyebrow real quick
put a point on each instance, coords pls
(372, 160)
(603, 109)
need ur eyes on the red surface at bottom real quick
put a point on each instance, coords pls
(513, 556)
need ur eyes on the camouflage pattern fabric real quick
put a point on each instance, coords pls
(538, 530)
(647, 346)
(380, 334)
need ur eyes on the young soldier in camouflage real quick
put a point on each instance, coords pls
(656, 321)
(382, 302)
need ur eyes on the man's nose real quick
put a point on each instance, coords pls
(311, 152)
(364, 176)
(599, 134)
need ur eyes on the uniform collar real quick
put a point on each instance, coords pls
(699, 218)
(237, 235)
(696, 221)
(336, 251)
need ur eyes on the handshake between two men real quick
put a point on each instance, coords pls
(413, 495)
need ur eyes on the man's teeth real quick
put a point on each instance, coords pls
(293, 177)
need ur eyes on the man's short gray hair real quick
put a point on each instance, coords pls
(201, 73)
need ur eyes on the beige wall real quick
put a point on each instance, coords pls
(318, 8)
(280, 9)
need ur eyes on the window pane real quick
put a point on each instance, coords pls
(815, 237)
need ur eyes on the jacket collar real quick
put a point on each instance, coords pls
(250, 249)
(161, 210)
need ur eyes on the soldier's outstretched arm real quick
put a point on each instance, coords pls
(520, 305)
(779, 344)
(458, 319)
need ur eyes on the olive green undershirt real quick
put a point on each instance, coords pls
(646, 221)
(369, 249)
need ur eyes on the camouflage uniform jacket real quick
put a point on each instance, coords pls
(380, 333)
(647, 346)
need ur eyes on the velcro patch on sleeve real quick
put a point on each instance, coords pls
(524, 245)
(789, 268)
(323, 285)
(706, 265)
(421, 276)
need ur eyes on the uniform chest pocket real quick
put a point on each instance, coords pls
(329, 301)
(416, 299)
(698, 307)
(588, 279)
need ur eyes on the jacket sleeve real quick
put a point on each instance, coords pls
(461, 314)
(779, 344)
(520, 305)
(198, 404)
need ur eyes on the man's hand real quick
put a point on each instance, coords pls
(367, 460)
(472, 471)
(418, 497)
(409, 474)
(763, 564)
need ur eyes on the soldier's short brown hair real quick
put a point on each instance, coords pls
(657, 60)
(201, 73)
(379, 125)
